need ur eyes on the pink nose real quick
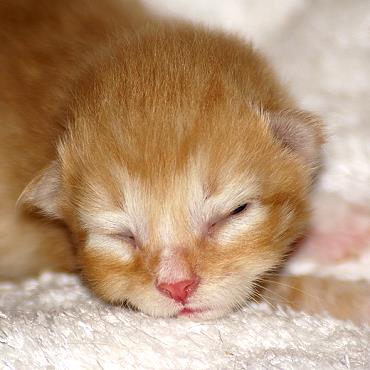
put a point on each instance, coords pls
(180, 290)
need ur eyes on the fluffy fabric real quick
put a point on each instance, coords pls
(54, 323)
(322, 49)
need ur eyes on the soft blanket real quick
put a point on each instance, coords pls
(53, 323)
(322, 50)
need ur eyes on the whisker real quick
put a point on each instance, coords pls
(282, 298)
(293, 288)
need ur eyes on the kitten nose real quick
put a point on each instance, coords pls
(180, 290)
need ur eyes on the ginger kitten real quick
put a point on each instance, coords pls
(177, 167)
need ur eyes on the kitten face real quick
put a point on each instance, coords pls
(167, 210)
(180, 192)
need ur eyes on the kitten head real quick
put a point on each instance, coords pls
(181, 192)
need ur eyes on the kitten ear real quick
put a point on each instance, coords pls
(300, 132)
(43, 191)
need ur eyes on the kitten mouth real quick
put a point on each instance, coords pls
(186, 311)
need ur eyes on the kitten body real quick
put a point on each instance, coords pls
(179, 166)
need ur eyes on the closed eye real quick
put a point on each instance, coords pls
(239, 209)
(125, 236)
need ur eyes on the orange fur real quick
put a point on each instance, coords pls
(143, 140)
(344, 300)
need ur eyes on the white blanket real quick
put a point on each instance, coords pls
(322, 49)
(53, 323)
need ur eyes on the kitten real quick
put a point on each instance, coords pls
(177, 165)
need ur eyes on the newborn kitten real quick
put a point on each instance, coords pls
(178, 164)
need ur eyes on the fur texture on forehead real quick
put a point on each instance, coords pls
(171, 95)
